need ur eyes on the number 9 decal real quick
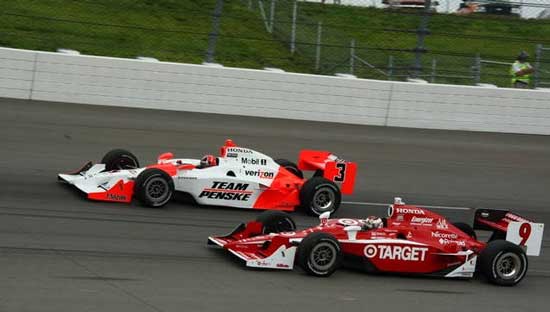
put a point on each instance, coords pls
(524, 233)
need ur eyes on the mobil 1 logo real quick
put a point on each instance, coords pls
(254, 161)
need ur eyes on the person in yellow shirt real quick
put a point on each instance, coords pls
(521, 71)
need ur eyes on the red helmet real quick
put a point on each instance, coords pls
(208, 161)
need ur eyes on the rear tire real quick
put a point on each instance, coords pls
(319, 195)
(290, 166)
(119, 159)
(503, 263)
(319, 254)
(154, 188)
(466, 228)
(274, 221)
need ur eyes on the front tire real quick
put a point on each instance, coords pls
(274, 221)
(319, 254)
(503, 263)
(319, 195)
(154, 187)
(119, 159)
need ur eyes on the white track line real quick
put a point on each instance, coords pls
(386, 205)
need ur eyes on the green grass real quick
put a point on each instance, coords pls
(177, 30)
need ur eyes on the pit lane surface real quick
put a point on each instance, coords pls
(59, 252)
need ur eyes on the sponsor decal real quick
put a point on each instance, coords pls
(422, 220)
(282, 265)
(227, 191)
(187, 178)
(116, 197)
(348, 222)
(409, 235)
(441, 224)
(260, 174)
(232, 155)
(238, 150)
(400, 218)
(444, 241)
(262, 263)
(254, 161)
(395, 252)
(513, 217)
(437, 234)
(410, 210)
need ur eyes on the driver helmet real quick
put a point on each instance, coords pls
(208, 161)
(373, 222)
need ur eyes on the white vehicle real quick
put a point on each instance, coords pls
(238, 177)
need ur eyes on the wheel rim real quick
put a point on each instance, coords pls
(508, 266)
(283, 225)
(323, 200)
(157, 190)
(323, 256)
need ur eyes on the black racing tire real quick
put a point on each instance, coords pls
(290, 166)
(274, 221)
(154, 188)
(503, 263)
(319, 254)
(119, 159)
(466, 228)
(319, 195)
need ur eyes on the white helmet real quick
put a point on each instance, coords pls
(373, 222)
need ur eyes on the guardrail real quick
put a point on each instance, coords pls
(82, 79)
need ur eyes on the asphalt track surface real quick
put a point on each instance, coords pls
(59, 252)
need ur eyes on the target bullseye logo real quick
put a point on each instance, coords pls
(370, 251)
(348, 222)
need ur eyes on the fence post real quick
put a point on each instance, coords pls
(421, 33)
(318, 47)
(293, 31)
(213, 35)
(352, 56)
(477, 69)
(390, 67)
(434, 65)
(538, 56)
(272, 14)
(264, 17)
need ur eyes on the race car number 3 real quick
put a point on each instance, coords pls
(526, 234)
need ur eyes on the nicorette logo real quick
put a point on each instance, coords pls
(227, 191)
(410, 210)
(239, 150)
(395, 252)
(259, 173)
(444, 235)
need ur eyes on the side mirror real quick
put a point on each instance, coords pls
(323, 218)
(352, 231)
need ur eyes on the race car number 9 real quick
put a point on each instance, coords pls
(526, 234)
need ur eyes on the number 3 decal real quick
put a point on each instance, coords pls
(524, 233)
(341, 172)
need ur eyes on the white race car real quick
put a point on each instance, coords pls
(238, 177)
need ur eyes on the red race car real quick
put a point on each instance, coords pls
(411, 240)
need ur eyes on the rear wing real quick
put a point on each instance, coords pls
(512, 227)
(331, 167)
